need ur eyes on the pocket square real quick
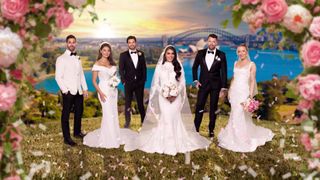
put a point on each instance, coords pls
(218, 58)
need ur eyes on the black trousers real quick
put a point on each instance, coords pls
(201, 101)
(138, 90)
(69, 101)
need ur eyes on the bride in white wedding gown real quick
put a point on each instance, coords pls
(241, 134)
(168, 127)
(109, 135)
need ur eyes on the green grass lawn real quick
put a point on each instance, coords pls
(66, 162)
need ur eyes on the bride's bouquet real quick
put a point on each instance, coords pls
(250, 105)
(114, 81)
(169, 90)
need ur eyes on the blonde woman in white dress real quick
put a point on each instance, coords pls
(241, 134)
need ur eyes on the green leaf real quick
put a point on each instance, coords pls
(7, 148)
(42, 30)
(14, 27)
(94, 16)
(91, 2)
(224, 23)
(237, 17)
(3, 77)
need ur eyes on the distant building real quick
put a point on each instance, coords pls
(164, 39)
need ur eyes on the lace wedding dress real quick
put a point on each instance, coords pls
(168, 127)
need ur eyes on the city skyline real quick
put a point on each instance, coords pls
(151, 18)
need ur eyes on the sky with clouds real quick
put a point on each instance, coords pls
(151, 18)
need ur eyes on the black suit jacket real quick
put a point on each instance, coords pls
(128, 73)
(216, 76)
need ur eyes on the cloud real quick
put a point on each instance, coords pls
(147, 18)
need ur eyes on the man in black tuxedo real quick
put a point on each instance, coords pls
(213, 80)
(133, 72)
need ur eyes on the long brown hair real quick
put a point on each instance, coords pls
(110, 58)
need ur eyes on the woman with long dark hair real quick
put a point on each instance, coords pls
(168, 127)
(109, 135)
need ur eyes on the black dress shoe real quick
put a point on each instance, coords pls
(70, 142)
(80, 135)
(211, 134)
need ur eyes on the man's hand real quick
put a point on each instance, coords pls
(85, 93)
(223, 93)
(197, 84)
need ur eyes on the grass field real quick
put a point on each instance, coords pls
(43, 149)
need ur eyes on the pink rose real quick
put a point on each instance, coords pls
(245, 2)
(297, 18)
(8, 96)
(316, 154)
(305, 140)
(305, 105)
(315, 27)
(14, 9)
(312, 164)
(1, 152)
(22, 33)
(16, 74)
(15, 177)
(236, 7)
(316, 10)
(15, 138)
(311, 53)
(51, 12)
(274, 9)
(300, 119)
(309, 1)
(254, 19)
(63, 18)
(309, 87)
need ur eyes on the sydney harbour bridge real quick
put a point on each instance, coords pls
(225, 38)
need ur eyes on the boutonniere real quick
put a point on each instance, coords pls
(218, 58)
(78, 57)
(139, 53)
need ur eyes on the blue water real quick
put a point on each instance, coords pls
(268, 62)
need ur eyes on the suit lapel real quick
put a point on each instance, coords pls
(130, 59)
(204, 59)
(138, 58)
(215, 60)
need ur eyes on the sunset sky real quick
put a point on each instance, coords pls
(150, 18)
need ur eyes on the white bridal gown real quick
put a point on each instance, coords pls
(241, 134)
(171, 130)
(109, 135)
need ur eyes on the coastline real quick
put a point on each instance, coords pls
(45, 76)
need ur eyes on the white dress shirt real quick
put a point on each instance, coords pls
(210, 58)
(134, 57)
(69, 74)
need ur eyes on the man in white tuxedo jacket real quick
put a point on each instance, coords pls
(72, 83)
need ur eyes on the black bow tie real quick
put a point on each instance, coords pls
(73, 54)
(212, 52)
(133, 52)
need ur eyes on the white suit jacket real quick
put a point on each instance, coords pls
(69, 74)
